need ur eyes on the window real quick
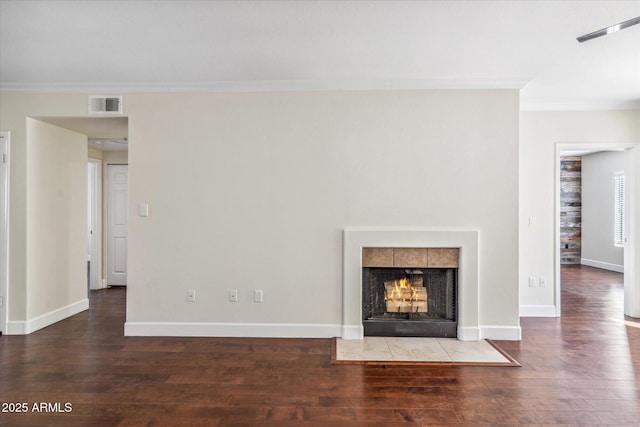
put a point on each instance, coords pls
(619, 210)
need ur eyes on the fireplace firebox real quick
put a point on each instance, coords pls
(410, 292)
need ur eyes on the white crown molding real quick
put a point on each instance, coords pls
(263, 85)
(315, 86)
(580, 106)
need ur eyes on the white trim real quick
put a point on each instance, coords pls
(603, 265)
(506, 333)
(619, 223)
(284, 330)
(245, 330)
(266, 85)
(352, 332)
(318, 85)
(469, 333)
(538, 311)
(580, 106)
(16, 327)
(4, 230)
(96, 258)
(47, 319)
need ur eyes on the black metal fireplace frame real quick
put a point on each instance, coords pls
(426, 327)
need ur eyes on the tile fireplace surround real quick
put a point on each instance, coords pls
(354, 239)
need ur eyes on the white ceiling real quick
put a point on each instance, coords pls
(143, 45)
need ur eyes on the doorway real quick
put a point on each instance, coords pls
(4, 230)
(117, 224)
(107, 139)
(630, 268)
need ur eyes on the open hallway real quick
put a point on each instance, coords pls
(581, 369)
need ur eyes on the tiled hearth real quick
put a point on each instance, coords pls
(390, 350)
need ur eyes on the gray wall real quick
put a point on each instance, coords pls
(598, 249)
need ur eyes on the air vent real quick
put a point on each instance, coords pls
(105, 105)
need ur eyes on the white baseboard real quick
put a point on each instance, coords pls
(100, 284)
(352, 332)
(16, 327)
(602, 265)
(246, 330)
(506, 333)
(469, 333)
(538, 311)
(277, 330)
(24, 327)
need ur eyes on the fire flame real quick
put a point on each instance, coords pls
(400, 286)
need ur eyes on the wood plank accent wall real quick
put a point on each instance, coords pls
(570, 209)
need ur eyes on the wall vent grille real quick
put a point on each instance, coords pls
(105, 105)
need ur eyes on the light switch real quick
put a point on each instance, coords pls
(143, 209)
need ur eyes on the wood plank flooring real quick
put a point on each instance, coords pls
(581, 369)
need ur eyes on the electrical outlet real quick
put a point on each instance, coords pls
(191, 295)
(543, 283)
(532, 282)
(257, 295)
(233, 295)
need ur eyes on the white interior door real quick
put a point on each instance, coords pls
(4, 229)
(117, 210)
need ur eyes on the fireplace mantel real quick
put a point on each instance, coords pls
(466, 240)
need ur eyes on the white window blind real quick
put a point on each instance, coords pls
(619, 210)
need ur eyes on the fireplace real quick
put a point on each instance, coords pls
(467, 288)
(410, 291)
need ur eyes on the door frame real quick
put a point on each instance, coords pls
(631, 283)
(95, 195)
(5, 144)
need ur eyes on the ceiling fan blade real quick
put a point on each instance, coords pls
(609, 30)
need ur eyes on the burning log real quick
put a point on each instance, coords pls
(403, 297)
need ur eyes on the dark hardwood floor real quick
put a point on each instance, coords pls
(581, 369)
